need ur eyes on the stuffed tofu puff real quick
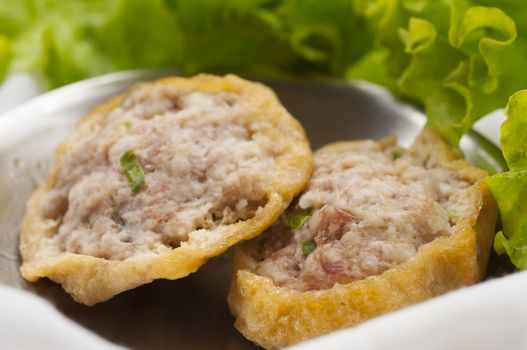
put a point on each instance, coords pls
(155, 182)
(377, 228)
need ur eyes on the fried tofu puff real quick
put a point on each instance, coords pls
(378, 228)
(156, 181)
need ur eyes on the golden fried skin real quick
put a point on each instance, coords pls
(90, 279)
(275, 317)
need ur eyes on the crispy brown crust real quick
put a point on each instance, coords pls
(275, 317)
(90, 280)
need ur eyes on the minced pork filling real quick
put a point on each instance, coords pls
(366, 209)
(204, 165)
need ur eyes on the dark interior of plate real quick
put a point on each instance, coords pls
(190, 313)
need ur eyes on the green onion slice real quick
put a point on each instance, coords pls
(133, 171)
(297, 218)
(396, 155)
(308, 246)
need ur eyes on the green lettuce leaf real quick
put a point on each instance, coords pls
(137, 33)
(53, 38)
(510, 191)
(459, 59)
(514, 132)
(5, 56)
(510, 188)
(65, 41)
